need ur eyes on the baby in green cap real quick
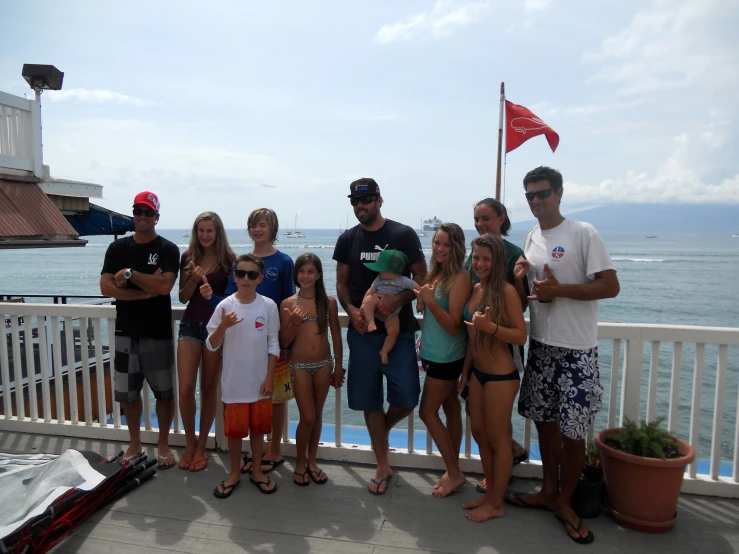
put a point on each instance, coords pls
(390, 281)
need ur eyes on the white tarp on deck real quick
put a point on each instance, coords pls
(29, 483)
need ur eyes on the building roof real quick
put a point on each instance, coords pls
(28, 219)
(100, 221)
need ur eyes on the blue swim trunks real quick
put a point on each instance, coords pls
(561, 384)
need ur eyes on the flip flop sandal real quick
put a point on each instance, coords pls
(579, 539)
(379, 492)
(260, 484)
(162, 462)
(185, 462)
(272, 464)
(314, 475)
(482, 486)
(304, 481)
(247, 460)
(521, 457)
(130, 458)
(226, 489)
(516, 499)
(198, 465)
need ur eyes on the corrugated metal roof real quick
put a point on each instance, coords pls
(26, 212)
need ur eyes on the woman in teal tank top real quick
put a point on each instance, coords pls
(443, 349)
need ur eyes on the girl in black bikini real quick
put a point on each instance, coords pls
(494, 319)
(307, 317)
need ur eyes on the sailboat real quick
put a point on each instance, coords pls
(295, 233)
(347, 225)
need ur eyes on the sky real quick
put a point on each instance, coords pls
(231, 106)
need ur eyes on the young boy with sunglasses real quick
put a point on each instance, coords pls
(263, 227)
(247, 326)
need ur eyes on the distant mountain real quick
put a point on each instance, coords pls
(658, 218)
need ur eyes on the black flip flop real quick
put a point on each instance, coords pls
(229, 488)
(272, 464)
(379, 492)
(304, 483)
(579, 540)
(260, 484)
(516, 499)
(247, 460)
(521, 457)
(314, 476)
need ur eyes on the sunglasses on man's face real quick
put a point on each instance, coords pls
(241, 273)
(147, 213)
(367, 199)
(541, 194)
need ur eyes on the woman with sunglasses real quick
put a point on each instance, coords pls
(277, 285)
(209, 258)
(443, 349)
(491, 217)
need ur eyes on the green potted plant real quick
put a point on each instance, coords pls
(590, 492)
(643, 466)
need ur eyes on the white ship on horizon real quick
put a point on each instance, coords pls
(432, 224)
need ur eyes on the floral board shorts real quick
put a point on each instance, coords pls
(561, 384)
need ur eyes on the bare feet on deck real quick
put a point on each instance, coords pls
(446, 485)
(484, 511)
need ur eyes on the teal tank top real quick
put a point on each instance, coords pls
(436, 344)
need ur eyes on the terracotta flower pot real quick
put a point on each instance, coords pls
(643, 492)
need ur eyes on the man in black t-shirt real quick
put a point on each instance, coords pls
(139, 272)
(355, 248)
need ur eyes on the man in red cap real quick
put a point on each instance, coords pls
(139, 272)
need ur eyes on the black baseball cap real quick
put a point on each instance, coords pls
(363, 187)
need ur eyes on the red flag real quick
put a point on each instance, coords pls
(522, 124)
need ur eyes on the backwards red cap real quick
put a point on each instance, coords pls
(148, 199)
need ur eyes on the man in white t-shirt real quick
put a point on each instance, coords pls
(570, 270)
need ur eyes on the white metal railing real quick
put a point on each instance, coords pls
(630, 390)
(20, 134)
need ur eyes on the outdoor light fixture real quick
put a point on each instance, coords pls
(45, 77)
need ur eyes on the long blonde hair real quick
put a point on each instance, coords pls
(446, 274)
(493, 289)
(224, 255)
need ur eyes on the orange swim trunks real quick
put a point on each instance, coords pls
(240, 419)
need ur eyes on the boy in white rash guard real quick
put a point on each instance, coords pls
(247, 325)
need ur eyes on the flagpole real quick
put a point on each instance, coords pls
(500, 141)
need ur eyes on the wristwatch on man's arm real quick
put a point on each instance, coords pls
(128, 274)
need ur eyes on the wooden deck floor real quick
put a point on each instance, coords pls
(177, 512)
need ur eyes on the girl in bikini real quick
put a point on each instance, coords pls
(307, 317)
(494, 320)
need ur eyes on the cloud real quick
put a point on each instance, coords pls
(386, 117)
(674, 181)
(536, 5)
(97, 96)
(671, 45)
(446, 17)
(591, 109)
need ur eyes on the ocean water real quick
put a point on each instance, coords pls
(685, 279)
